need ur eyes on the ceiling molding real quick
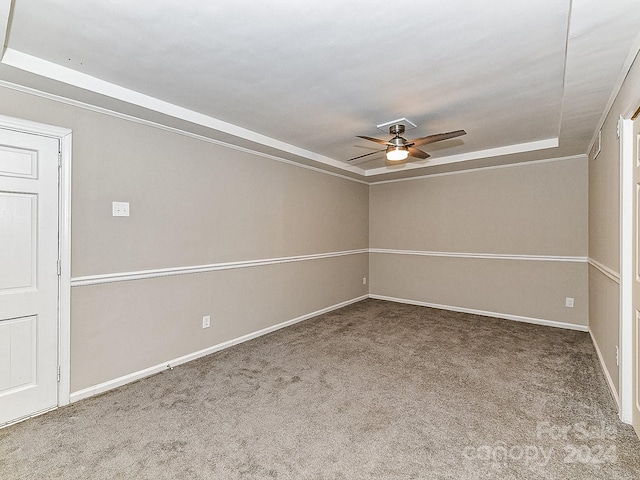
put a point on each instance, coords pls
(463, 157)
(149, 123)
(72, 77)
(479, 169)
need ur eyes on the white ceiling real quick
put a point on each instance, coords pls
(527, 80)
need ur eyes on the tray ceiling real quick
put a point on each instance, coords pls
(299, 80)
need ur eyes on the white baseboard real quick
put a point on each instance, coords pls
(117, 382)
(612, 388)
(131, 377)
(505, 316)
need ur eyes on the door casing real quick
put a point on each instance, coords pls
(625, 129)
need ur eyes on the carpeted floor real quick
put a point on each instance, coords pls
(376, 390)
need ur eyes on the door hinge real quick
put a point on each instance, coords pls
(58, 372)
(59, 159)
(59, 267)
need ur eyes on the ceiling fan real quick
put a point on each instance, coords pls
(398, 148)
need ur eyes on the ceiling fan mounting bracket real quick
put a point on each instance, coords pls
(396, 129)
(408, 124)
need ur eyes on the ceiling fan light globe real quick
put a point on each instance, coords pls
(397, 154)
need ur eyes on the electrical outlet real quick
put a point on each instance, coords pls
(617, 357)
(364, 280)
(206, 321)
(120, 209)
(569, 302)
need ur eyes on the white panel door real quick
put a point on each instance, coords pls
(636, 278)
(28, 274)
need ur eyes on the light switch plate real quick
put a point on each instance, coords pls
(120, 209)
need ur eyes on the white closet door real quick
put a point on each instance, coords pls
(28, 274)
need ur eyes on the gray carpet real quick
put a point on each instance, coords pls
(376, 390)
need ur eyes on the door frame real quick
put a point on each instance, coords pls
(625, 129)
(64, 136)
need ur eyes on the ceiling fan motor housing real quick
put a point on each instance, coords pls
(396, 130)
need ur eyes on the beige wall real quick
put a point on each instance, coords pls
(535, 209)
(604, 226)
(195, 202)
(125, 327)
(192, 203)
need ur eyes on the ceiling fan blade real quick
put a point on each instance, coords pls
(435, 138)
(377, 140)
(365, 155)
(414, 152)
